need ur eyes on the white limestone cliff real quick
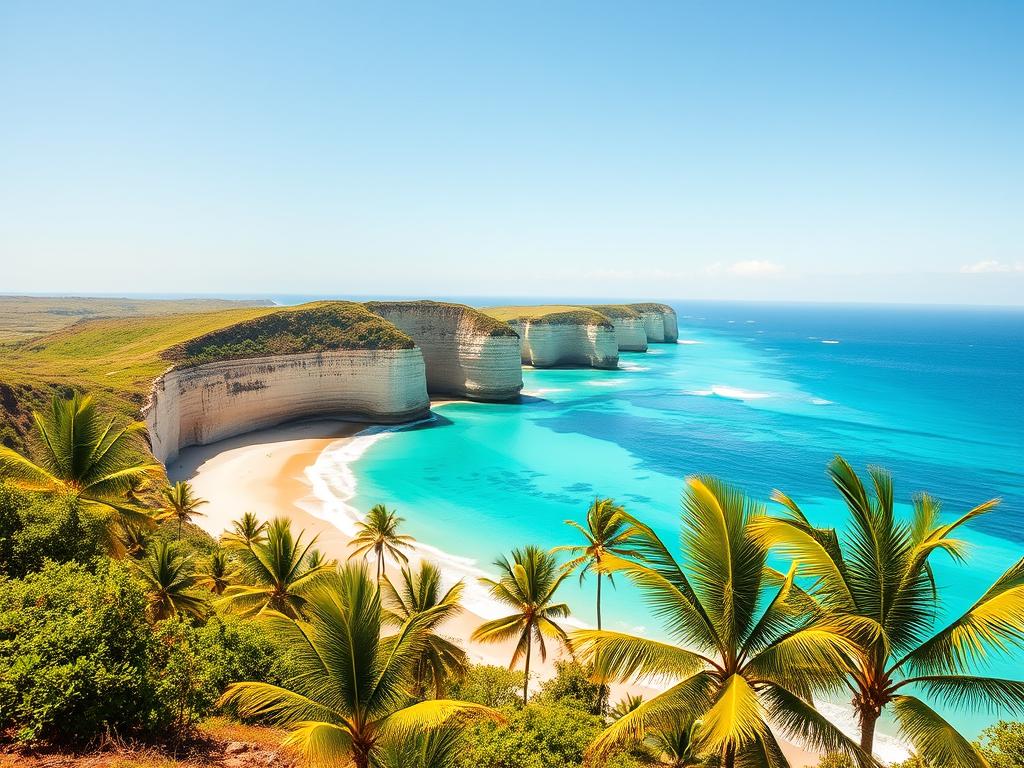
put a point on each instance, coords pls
(547, 344)
(630, 334)
(660, 322)
(466, 353)
(210, 402)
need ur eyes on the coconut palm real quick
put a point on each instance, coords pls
(879, 569)
(606, 532)
(180, 503)
(274, 573)
(436, 748)
(625, 705)
(88, 458)
(245, 532)
(169, 579)
(378, 533)
(218, 573)
(316, 558)
(671, 744)
(133, 539)
(744, 654)
(527, 584)
(419, 592)
(347, 696)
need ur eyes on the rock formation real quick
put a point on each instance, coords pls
(630, 334)
(568, 339)
(660, 323)
(466, 353)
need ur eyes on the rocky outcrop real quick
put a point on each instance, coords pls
(660, 323)
(630, 334)
(205, 403)
(466, 353)
(547, 344)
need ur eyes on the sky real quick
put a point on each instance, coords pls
(817, 151)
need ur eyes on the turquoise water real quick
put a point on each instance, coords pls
(762, 396)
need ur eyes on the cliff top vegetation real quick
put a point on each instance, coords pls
(550, 314)
(481, 321)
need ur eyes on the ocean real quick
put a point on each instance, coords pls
(759, 395)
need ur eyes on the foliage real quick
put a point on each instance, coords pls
(745, 653)
(527, 584)
(180, 503)
(492, 686)
(571, 687)
(170, 582)
(458, 313)
(217, 571)
(835, 760)
(418, 593)
(346, 694)
(1002, 744)
(85, 458)
(74, 653)
(275, 573)
(36, 528)
(378, 533)
(879, 573)
(245, 532)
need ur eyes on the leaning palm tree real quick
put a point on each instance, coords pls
(879, 570)
(169, 580)
(419, 592)
(378, 533)
(347, 696)
(606, 532)
(88, 458)
(527, 584)
(744, 654)
(180, 503)
(218, 572)
(245, 532)
(275, 574)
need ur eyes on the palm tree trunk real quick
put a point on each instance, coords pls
(598, 602)
(179, 529)
(526, 675)
(867, 731)
(380, 566)
(730, 757)
(360, 758)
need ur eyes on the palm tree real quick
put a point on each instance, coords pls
(316, 558)
(378, 533)
(437, 748)
(416, 593)
(879, 570)
(180, 503)
(347, 697)
(218, 573)
(672, 744)
(743, 656)
(625, 705)
(528, 583)
(169, 579)
(275, 573)
(606, 533)
(133, 540)
(245, 532)
(86, 457)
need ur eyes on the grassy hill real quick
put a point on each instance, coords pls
(553, 314)
(483, 322)
(22, 317)
(118, 358)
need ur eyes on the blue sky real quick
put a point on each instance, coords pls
(818, 151)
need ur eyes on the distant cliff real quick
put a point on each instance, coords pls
(660, 322)
(630, 332)
(576, 337)
(466, 352)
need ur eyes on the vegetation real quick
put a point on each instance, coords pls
(245, 532)
(550, 315)
(180, 503)
(878, 573)
(347, 696)
(169, 579)
(480, 321)
(378, 533)
(527, 584)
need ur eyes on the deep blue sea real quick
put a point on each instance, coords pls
(761, 395)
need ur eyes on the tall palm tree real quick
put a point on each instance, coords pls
(416, 593)
(879, 570)
(606, 532)
(527, 584)
(180, 503)
(275, 573)
(87, 457)
(744, 655)
(218, 573)
(347, 697)
(169, 579)
(378, 533)
(245, 532)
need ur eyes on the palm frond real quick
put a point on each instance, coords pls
(935, 740)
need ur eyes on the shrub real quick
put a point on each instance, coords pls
(836, 760)
(74, 653)
(571, 687)
(1003, 744)
(492, 686)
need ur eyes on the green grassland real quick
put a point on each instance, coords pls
(118, 358)
(482, 321)
(22, 317)
(549, 314)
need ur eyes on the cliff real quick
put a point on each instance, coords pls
(466, 353)
(630, 333)
(212, 401)
(570, 337)
(660, 322)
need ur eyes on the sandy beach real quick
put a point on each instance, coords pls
(269, 473)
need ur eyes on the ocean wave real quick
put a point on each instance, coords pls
(688, 341)
(633, 367)
(605, 382)
(830, 341)
(730, 393)
(821, 401)
(543, 391)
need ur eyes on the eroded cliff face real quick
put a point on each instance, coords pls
(466, 353)
(660, 323)
(547, 345)
(630, 334)
(206, 403)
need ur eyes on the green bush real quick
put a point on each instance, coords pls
(1003, 744)
(34, 529)
(571, 687)
(489, 685)
(74, 653)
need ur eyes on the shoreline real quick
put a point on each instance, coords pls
(279, 471)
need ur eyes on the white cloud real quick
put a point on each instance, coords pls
(991, 265)
(748, 268)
